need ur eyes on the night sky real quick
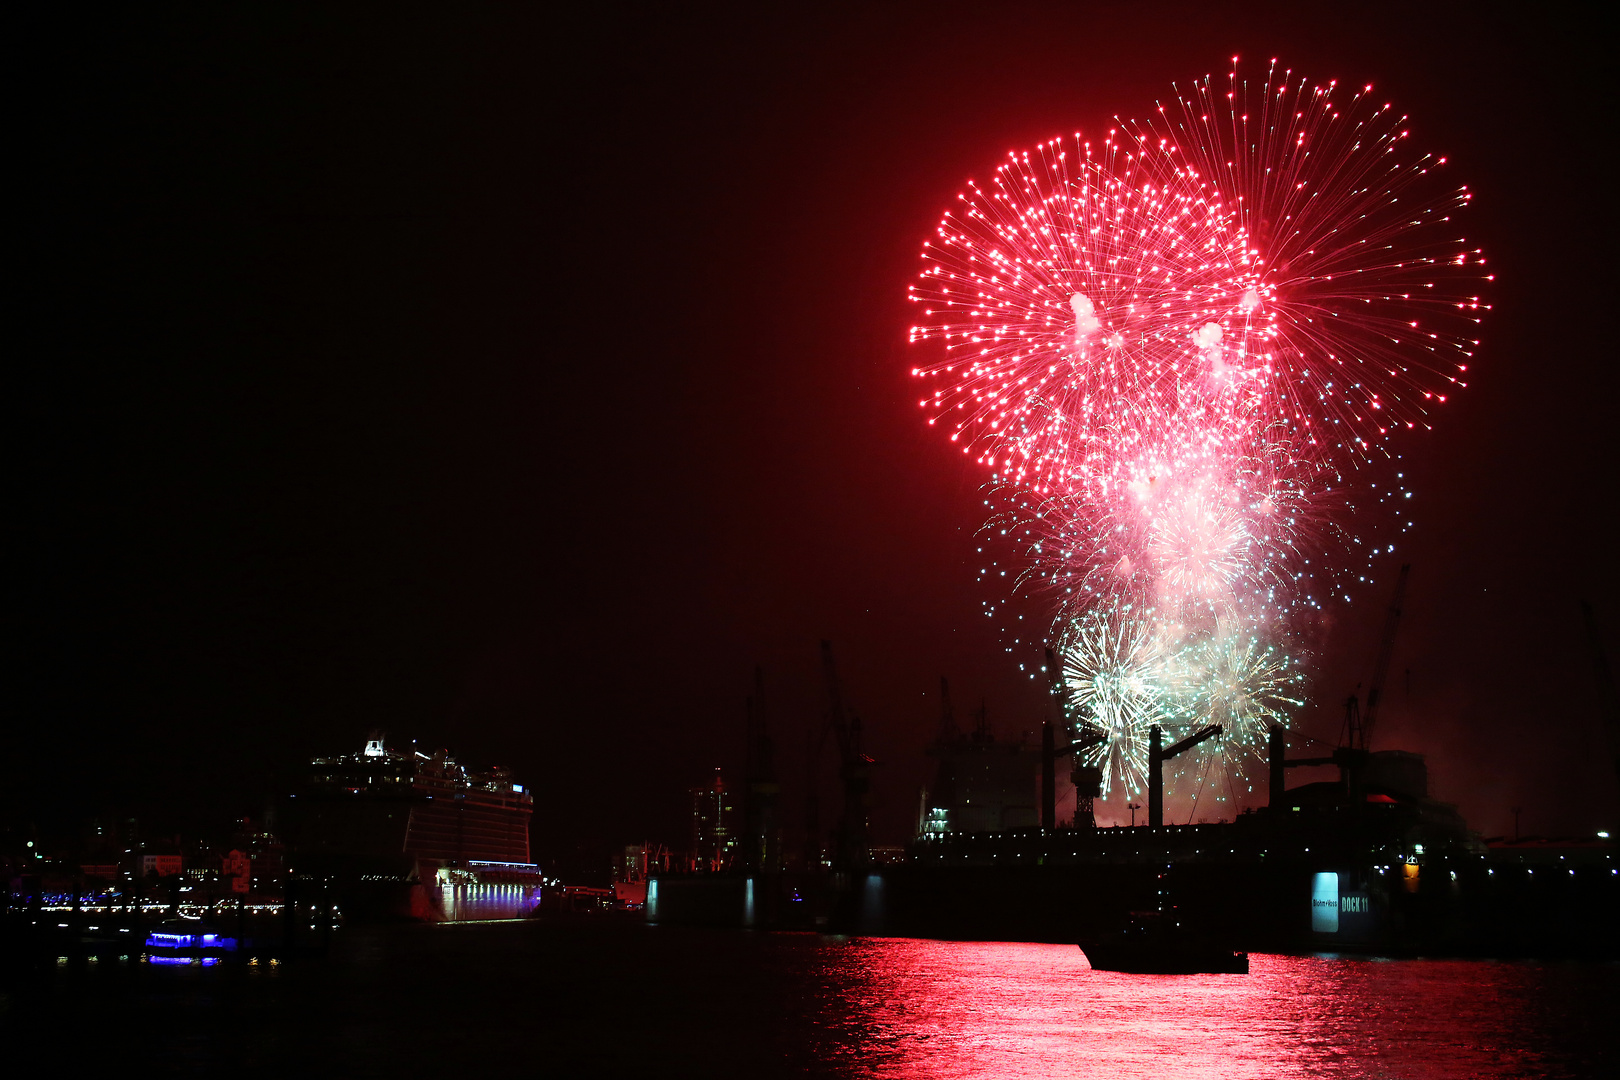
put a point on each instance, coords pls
(517, 381)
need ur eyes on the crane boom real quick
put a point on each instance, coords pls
(1386, 650)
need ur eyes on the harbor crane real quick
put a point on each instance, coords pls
(1091, 776)
(852, 842)
(1157, 756)
(1358, 725)
(1085, 778)
(1352, 755)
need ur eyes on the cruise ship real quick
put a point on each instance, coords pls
(404, 834)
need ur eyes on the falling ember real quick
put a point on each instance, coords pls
(1181, 351)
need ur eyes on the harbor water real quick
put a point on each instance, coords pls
(626, 999)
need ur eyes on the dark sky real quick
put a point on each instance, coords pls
(517, 381)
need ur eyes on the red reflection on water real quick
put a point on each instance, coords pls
(964, 1009)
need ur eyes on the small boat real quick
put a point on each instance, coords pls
(1150, 944)
(183, 941)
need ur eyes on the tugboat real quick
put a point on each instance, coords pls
(1150, 944)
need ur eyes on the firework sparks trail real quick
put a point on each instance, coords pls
(1234, 679)
(1360, 298)
(1182, 352)
(1061, 298)
(1114, 669)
